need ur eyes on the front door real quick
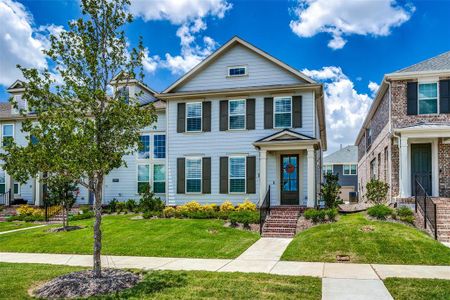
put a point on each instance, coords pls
(421, 166)
(289, 180)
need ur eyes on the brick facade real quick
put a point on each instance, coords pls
(444, 169)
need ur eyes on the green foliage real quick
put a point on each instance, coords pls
(321, 215)
(83, 216)
(26, 218)
(331, 214)
(150, 214)
(404, 211)
(330, 191)
(149, 202)
(121, 207)
(377, 191)
(85, 208)
(61, 191)
(112, 205)
(244, 217)
(131, 205)
(379, 211)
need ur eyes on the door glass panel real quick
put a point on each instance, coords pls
(290, 183)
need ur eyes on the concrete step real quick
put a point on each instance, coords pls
(279, 234)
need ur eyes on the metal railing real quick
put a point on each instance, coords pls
(428, 208)
(264, 210)
(5, 198)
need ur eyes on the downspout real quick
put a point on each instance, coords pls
(390, 135)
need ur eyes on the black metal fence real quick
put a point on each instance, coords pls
(428, 207)
(264, 210)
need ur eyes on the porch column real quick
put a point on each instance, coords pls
(405, 189)
(262, 174)
(38, 192)
(311, 178)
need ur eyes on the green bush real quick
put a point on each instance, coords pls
(331, 214)
(120, 207)
(131, 205)
(149, 202)
(408, 219)
(26, 218)
(199, 214)
(330, 191)
(315, 215)
(85, 208)
(245, 217)
(112, 206)
(377, 191)
(379, 211)
(404, 211)
(151, 214)
(83, 216)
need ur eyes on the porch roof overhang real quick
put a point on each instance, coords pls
(425, 131)
(286, 140)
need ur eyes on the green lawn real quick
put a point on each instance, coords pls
(123, 236)
(17, 279)
(388, 243)
(6, 226)
(418, 289)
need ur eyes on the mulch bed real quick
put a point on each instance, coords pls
(83, 284)
(68, 228)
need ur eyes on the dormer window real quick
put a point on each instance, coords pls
(237, 71)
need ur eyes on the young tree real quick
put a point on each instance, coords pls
(376, 191)
(330, 190)
(79, 130)
(61, 191)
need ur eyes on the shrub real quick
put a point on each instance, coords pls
(26, 218)
(112, 206)
(131, 205)
(85, 209)
(331, 214)
(83, 216)
(408, 219)
(149, 202)
(377, 191)
(404, 211)
(120, 207)
(151, 214)
(244, 217)
(169, 212)
(25, 210)
(200, 214)
(246, 205)
(192, 206)
(227, 206)
(330, 190)
(315, 215)
(379, 211)
(209, 207)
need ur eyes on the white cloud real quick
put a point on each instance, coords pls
(150, 63)
(178, 11)
(190, 15)
(346, 17)
(19, 42)
(373, 87)
(345, 108)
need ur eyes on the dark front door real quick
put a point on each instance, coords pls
(421, 166)
(289, 180)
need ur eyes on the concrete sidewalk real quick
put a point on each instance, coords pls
(21, 229)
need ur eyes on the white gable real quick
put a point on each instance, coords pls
(261, 72)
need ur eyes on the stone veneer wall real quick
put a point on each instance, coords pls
(444, 169)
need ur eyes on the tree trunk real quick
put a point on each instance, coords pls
(97, 230)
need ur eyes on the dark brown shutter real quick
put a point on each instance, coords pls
(251, 174)
(268, 113)
(411, 96)
(223, 115)
(297, 109)
(206, 116)
(444, 96)
(181, 117)
(206, 175)
(224, 175)
(181, 175)
(250, 110)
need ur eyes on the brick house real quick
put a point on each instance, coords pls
(406, 134)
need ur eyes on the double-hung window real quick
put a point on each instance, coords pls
(327, 169)
(283, 112)
(236, 114)
(7, 133)
(428, 98)
(193, 175)
(194, 117)
(2, 181)
(349, 169)
(144, 147)
(143, 178)
(159, 179)
(237, 174)
(159, 146)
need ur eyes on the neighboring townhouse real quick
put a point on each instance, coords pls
(144, 168)
(344, 163)
(240, 122)
(406, 134)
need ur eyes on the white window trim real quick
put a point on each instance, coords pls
(153, 178)
(13, 131)
(201, 117)
(149, 150)
(137, 175)
(244, 114)
(154, 147)
(328, 165)
(274, 112)
(438, 109)
(186, 177)
(237, 67)
(245, 175)
(349, 169)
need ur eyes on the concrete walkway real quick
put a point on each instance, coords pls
(20, 229)
(339, 281)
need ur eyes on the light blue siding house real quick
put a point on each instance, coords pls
(237, 125)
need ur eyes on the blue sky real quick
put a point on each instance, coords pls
(368, 39)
